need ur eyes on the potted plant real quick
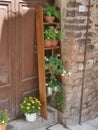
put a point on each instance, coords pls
(52, 85)
(51, 36)
(4, 118)
(54, 65)
(50, 13)
(57, 95)
(30, 107)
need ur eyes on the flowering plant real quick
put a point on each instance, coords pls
(30, 105)
(54, 65)
(52, 33)
(54, 83)
(4, 116)
(51, 10)
(58, 97)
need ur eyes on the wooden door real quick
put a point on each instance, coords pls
(7, 58)
(18, 56)
(27, 57)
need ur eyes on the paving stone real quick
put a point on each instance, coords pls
(89, 125)
(57, 127)
(40, 123)
(93, 123)
(44, 128)
(83, 127)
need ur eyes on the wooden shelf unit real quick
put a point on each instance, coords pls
(41, 57)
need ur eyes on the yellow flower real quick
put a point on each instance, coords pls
(28, 104)
(21, 106)
(30, 98)
(24, 101)
(3, 121)
(32, 101)
(33, 107)
(39, 108)
(34, 98)
(28, 108)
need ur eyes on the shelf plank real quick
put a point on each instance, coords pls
(52, 48)
(53, 23)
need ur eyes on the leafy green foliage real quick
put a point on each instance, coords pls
(51, 10)
(54, 65)
(30, 105)
(4, 116)
(52, 82)
(52, 33)
(58, 96)
(58, 99)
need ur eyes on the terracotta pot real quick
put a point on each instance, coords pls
(54, 43)
(48, 43)
(49, 19)
(31, 117)
(3, 126)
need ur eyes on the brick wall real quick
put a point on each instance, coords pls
(80, 56)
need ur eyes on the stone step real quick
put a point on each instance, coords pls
(22, 124)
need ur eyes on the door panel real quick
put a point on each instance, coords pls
(27, 25)
(27, 76)
(7, 82)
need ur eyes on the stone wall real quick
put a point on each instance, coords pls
(80, 55)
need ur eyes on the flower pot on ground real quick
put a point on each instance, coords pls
(3, 126)
(31, 117)
(30, 106)
(50, 13)
(4, 118)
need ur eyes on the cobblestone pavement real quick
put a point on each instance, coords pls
(89, 125)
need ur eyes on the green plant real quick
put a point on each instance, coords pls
(52, 33)
(58, 96)
(4, 116)
(30, 105)
(51, 10)
(53, 83)
(54, 65)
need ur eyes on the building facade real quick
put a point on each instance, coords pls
(18, 57)
(80, 55)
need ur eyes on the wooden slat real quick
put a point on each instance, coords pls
(41, 62)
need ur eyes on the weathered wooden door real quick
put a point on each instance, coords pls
(7, 58)
(18, 57)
